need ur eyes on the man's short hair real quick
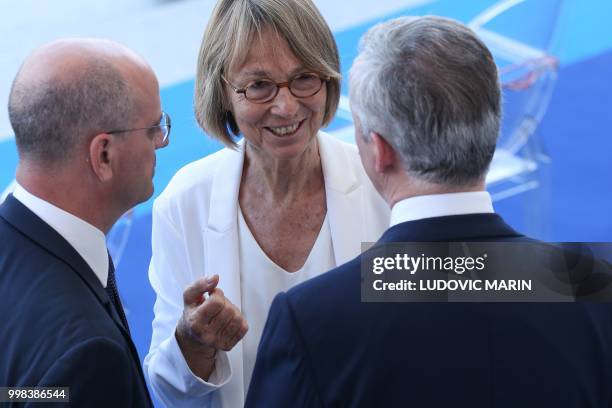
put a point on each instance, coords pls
(52, 117)
(430, 87)
(232, 27)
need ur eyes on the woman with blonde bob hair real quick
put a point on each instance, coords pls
(284, 204)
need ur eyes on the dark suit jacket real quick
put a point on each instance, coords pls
(323, 347)
(59, 327)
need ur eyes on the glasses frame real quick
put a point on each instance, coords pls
(165, 124)
(279, 85)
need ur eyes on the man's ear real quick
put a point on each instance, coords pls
(100, 156)
(384, 155)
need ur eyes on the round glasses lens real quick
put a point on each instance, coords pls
(260, 90)
(306, 85)
(165, 126)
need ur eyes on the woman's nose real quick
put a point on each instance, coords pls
(285, 104)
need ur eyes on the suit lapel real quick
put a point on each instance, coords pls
(113, 313)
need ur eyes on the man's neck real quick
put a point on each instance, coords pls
(403, 189)
(66, 192)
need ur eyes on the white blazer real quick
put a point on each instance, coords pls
(195, 234)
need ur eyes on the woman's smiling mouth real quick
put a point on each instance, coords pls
(284, 130)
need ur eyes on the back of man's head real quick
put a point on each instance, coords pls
(430, 88)
(86, 118)
(64, 93)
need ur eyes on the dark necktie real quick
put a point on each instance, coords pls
(111, 289)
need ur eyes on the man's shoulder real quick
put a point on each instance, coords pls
(25, 255)
(38, 284)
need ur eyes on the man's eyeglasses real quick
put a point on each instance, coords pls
(264, 90)
(162, 138)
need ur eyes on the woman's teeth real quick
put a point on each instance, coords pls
(284, 130)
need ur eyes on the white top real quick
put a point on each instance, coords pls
(195, 234)
(440, 205)
(86, 239)
(265, 279)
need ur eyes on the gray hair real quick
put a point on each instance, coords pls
(230, 32)
(54, 116)
(430, 87)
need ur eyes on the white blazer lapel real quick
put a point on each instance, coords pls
(344, 198)
(221, 232)
(222, 257)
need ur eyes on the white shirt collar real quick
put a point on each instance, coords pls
(440, 205)
(86, 239)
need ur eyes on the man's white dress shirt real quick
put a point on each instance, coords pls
(87, 240)
(440, 205)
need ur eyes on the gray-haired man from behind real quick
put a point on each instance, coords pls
(426, 102)
(87, 120)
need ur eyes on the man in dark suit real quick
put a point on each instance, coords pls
(426, 102)
(87, 121)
